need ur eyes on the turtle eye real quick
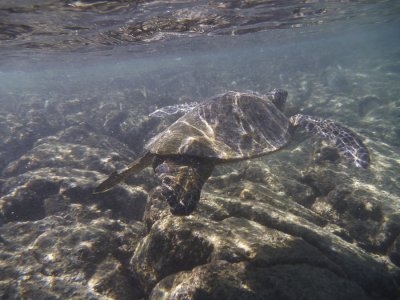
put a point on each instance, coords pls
(310, 126)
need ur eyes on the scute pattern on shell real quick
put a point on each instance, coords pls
(230, 126)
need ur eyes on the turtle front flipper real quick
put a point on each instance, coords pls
(181, 182)
(116, 177)
(347, 142)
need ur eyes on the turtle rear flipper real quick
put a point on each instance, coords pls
(116, 177)
(345, 140)
(181, 183)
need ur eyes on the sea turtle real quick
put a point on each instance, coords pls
(228, 127)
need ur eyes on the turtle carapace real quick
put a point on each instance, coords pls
(228, 127)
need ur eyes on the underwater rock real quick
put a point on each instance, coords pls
(53, 154)
(361, 216)
(58, 240)
(16, 137)
(267, 204)
(84, 135)
(75, 256)
(167, 249)
(48, 191)
(76, 121)
(125, 120)
(113, 281)
(156, 208)
(75, 147)
(354, 262)
(326, 154)
(322, 180)
(254, 172)
(195, 257)
(245, 280)
(27, 122)
(263, 228)
(177, 244)
(125, 204)
(394, 252)
(62, 169)
(33, 194)
(246, 194)
(128, 126)
(224, 180)
(299, 192)
(275, 193)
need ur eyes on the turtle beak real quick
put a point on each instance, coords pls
(278, 97)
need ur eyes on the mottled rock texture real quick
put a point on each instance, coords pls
(57, 240)
(299, 224)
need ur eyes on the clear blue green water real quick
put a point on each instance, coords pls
(78, 80)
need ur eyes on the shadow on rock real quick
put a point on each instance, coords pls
(195, 258)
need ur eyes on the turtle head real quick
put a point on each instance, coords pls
(278, 97)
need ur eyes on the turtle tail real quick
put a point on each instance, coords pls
(181, 182)
(116, 177)
(345, 140)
